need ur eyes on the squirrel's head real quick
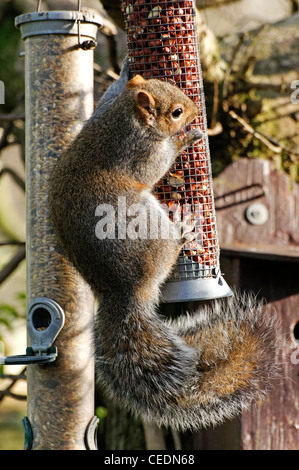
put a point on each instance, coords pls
(161, 105)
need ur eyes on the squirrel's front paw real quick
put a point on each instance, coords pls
(193, 136)
(185, 228)
(190, 138)
(187, 234)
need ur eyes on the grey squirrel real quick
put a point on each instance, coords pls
(187, 373)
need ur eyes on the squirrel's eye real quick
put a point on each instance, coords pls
(177, 113)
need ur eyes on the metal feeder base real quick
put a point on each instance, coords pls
(195, 289)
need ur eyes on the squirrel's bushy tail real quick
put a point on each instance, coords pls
(192, 372)
(236, 340)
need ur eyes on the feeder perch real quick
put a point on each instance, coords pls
(163, 43)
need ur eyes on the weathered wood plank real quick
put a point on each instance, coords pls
(244, 183)
(263, 258)
(274, 424)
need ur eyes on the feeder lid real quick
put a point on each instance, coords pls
(59, 22)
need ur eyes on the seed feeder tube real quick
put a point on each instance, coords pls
(58, 100)
(163, 43)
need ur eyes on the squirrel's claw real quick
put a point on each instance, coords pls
(185, 228)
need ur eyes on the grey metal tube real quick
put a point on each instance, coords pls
(59, 98)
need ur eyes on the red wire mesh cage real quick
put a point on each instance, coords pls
(163, 43)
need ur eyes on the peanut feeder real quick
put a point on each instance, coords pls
(163, 44)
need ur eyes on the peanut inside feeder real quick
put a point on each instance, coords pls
(163, 43)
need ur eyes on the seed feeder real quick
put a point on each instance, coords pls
(163, 43)
(58, 100)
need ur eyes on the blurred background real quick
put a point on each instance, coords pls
(249, 53)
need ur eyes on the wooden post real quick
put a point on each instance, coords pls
(59, 98)
(258, 220)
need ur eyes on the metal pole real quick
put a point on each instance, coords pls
(59, 98)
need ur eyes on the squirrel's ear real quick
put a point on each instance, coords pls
(145, 100)
(145, 105)
(136, 82)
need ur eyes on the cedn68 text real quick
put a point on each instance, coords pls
(167, 459)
